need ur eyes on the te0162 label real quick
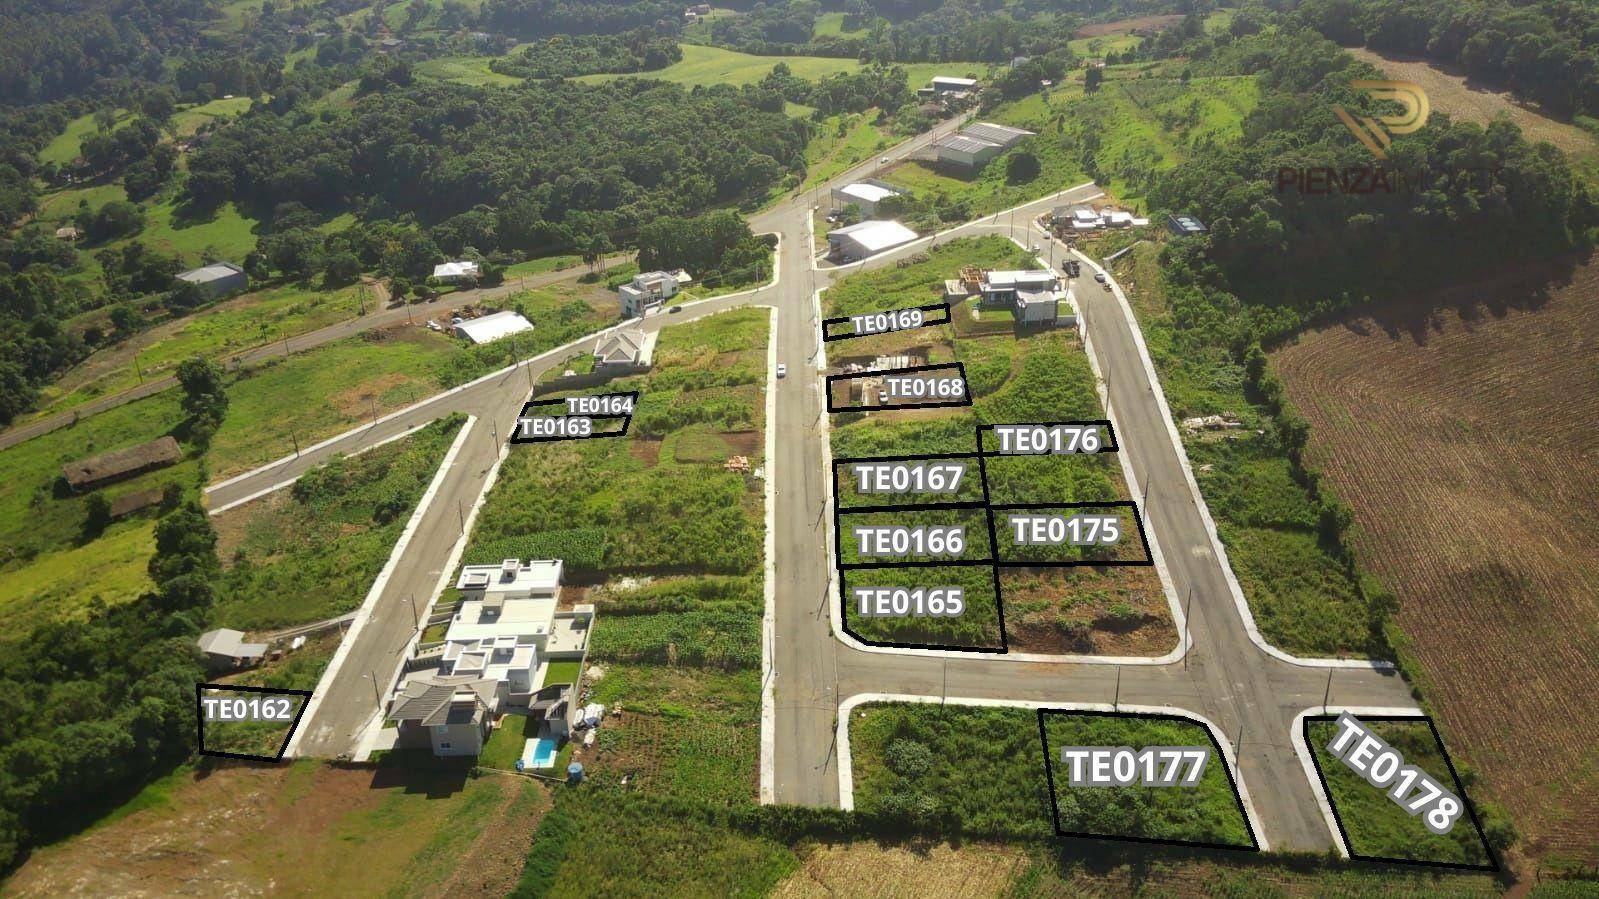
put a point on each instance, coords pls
(256, 708)
(914, 602)
(1384, 767)
(1122, 766)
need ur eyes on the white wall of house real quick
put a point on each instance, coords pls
(457, 739)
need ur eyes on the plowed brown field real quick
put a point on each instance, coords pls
(1467, 441)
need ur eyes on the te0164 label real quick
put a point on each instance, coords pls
(908, 477)
(1383, 767)
(915, 602)
(1121, 766)
(610, 404)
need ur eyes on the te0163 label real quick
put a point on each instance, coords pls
(555, 426)
(1383, 767)
(914, 602)
(1122, 766)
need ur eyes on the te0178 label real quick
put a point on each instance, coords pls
(923, 540)
(256, 708)
(882, 322)
(1383, 767)
(1042, 440)
(1054, 530)
(908, 477)
(1121, 766)
(915, 602)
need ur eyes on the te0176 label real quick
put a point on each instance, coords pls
(923, 540)
(908, 477)
(882, 322)
(1044, 440)
(1383, 767)
(915, 602)
(256, 708)
(1122, 766)
(1054, 530)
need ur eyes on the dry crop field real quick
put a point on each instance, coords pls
(1465, 441)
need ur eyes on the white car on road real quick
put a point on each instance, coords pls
(782, 369)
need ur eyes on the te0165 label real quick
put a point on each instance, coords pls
(908, 477)
(256, 708)
(1121, 766)
(915, 602)
(1383, 767)
(923, 540)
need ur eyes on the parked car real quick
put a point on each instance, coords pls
(1100, 277)
(883, 161)
(674, 309)
(782, 370)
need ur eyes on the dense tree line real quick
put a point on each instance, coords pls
(1545, 51)
(714, 247)
(640, 50)
(531, 18)
(53, 50)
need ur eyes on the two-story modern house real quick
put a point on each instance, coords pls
(648, 291)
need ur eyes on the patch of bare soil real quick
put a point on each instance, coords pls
(744, 443)
(1093, 611)
(356, 402)
(876, 871)
(233, 525)
(645, 449)
(1142, 23)
(1469, 101)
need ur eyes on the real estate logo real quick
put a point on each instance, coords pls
(1377, 132)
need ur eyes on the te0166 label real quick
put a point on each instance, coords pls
(923, 540)
(915, 602)
(1054, 530)
(1383, 767)
(1043, 440)
(1122, 766)
(882, 322)
(256, 708)
(908, 477)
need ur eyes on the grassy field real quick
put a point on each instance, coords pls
(1013, 377)
(248, 321)
(1376, 825)
(842, 141)
(62, 205)
(714, 65)
(312, 551)
(190, 119)
(469, 70)
(1476, 510)
(225, 234)
(69, 143)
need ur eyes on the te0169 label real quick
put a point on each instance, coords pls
(256, 708)
(1121, 766)
(908, 477)
(923, 540)
(882, 322)
(1383, 767)
(915, 602)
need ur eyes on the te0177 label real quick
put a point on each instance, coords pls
(908, 477)
(256, 708)
(923, 540)
(1383, 767)
(915, 602)
(1122, 766)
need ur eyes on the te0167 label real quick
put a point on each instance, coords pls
(1383, 767)
(908, 477)
(915, 602)
(1122, 766)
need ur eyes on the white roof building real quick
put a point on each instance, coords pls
(650, 290)
(867, 239)
(492, 327)
(459, 270)
(863, 194)
(948, 83)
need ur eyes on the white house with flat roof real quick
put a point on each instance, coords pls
(506, 630)
(864, 195)
(867, 238)
(648, 291)
(1032, 296)
(948, 84)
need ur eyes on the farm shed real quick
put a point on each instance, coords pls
(492, 327)
(89, 473)
(866, 239)
(217, 279)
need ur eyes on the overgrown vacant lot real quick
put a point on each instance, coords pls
(1463, 439)
(1013, 378)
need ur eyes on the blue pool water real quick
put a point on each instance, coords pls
(544, 752)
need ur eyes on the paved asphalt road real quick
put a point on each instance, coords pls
(1227, 677)
(299, 343)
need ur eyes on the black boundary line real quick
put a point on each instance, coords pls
(925, 457)
(949, 316)
(627, 418)
(1147, 561)
(1460, 790)
(1054, 805)
(199, 719)
(966, 388)
(1114, 446)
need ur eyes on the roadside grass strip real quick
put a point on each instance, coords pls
(1383, 813)
(1141, 778)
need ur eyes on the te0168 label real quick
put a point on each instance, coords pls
(1054, 530)
(1383, 767)
(908, 477)
(1121, 766)
(256, 708)
(882, 322)
(909, 387)
(915, 602)
(923, 540)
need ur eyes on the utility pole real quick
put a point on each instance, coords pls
(376, 694)
(1117, 702)
(138, 368)
(296, 443)
(416, 616)
(1327, 696)
(460, 515)
(1188, 639)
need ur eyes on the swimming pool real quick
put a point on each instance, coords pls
(540, 752)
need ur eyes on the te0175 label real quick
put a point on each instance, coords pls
(882, 322)
(256, 708)
(923, 540)
(1383, 767)
(1054, 530)
(908, 477)
(1121, 766)
(915, 602)
(1043, 440)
